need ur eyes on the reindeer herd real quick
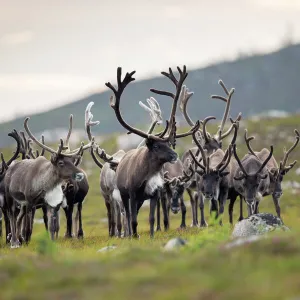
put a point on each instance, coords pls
(152, 171)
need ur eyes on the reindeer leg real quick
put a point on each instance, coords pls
(109, 216)
(158, 215)
(113, 216)
(241, 209)
(78, 216)
(69, 214)
(277, 205)
(164, 204)
(126, 202)
(201, 205)
(45, 216)
(213, 208)
(119, 221)
(7, 225)
(230, 209)
(20, 217)
(153, 202)
(14, 242)
(222, 201)
(183, 212)
(1, 217)
(134, 211)
(193, 207)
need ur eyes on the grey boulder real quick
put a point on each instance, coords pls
(257, 225)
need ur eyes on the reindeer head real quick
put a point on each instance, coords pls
(251, 184)
(277, 174)
(176, 186)
(65, 163)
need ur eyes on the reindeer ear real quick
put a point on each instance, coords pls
(54, 158)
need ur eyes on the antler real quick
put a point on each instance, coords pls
(69, 132)
(14, 134)
(206, 135)
(267, 160)
(61, 146)
(227, 108)
(184, 98)
(283, 167)
(248, 140)
(240, 165)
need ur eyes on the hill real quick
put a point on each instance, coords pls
(262, 82)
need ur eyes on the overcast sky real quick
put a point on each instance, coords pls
(53, 52)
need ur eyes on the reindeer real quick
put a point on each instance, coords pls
(212, 180)
(108, 187)
(176, 180)
(249, 178)
(138, 175)
(210, 143)
(4, 167)
(28, 182)
(276, 174)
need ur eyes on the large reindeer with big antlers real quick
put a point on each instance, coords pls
(138, 175)
(209, 143)
(108, 189)
(276, 173)
(29, 182)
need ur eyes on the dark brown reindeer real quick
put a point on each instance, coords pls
(138, 175)
(108, 189)
(250, 178)
(31, 181)
(276, 173)
(212, 178)
(209, 143)
(4, 166)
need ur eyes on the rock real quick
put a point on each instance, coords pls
(242, 241)
(106, 249)
(174, 244)
(257, 225)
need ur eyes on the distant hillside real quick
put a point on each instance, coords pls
(262, 82)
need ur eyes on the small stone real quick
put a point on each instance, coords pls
(106, 249)
(257, 225)
(174, 244)
(242, 241)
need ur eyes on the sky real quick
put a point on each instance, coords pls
(55, 52)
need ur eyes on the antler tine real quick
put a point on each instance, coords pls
(14, 134)
(247, 140)
(205, 133)
(89, 120)
(200, 148)
(69, 132)
(228, 158)
(4, 164)
(186, 177)
(238, 161)
(236, 122)
(190, 132)
(98, 163)
(238, 118)
(43, 142)
(47, 148)
(61, 147)
(287, 153)
(161, 134)
(30, 150)
(184, 98)
(227, 107)
(197, 162)
(267, 160)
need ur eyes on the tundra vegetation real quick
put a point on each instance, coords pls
(204, 267)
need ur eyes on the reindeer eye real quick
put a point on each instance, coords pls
(155, 146)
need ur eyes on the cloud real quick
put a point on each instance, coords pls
(279, 4)
(17, 38)
(43, 82)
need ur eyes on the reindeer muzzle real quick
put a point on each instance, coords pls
(175, 209)
(79, 176)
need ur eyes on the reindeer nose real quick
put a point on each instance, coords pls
(79, 176)
(208, 196)
(277, 194)
(175, 209)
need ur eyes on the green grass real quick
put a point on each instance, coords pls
(140, 269)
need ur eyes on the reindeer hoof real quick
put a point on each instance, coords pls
(203, 225)
(8, 238)
(240, 219)
(136, 236)
(68, 236)
(15, 244)
(182, 226)
(158, 228)
(194, 225)
(80, 234)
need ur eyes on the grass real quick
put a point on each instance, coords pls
(139, 269)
